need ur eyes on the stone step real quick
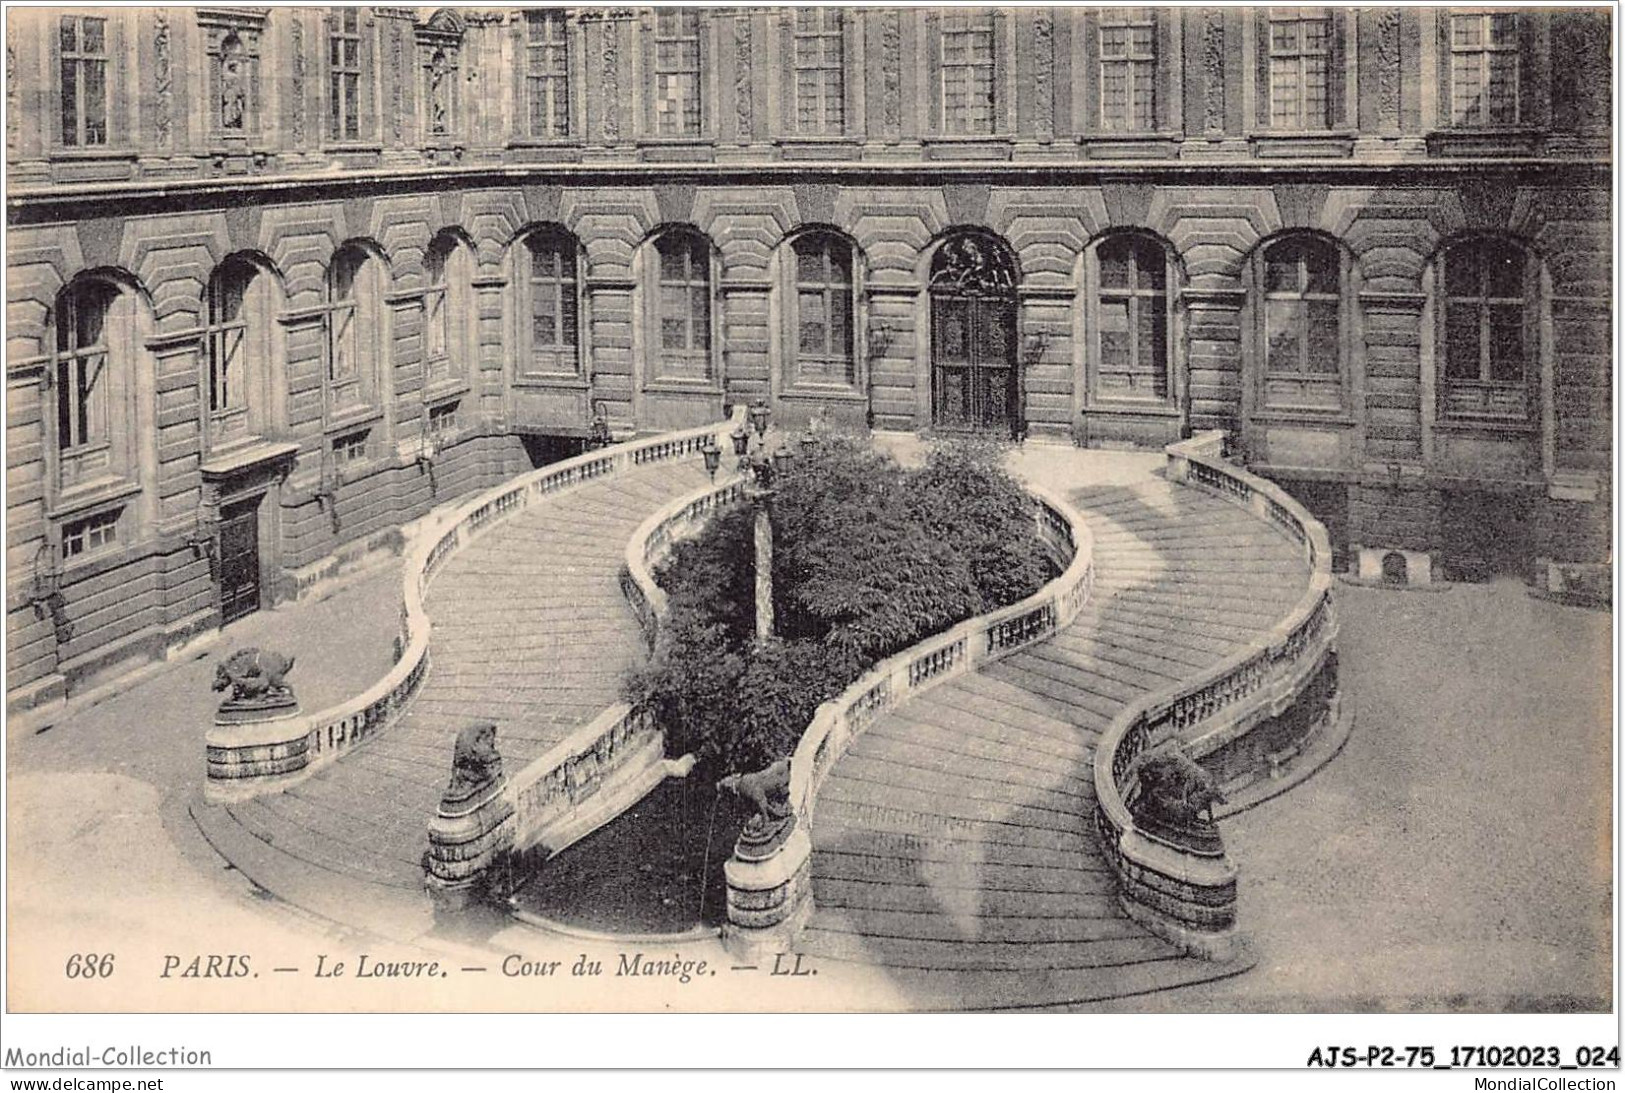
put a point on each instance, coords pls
(1078, 853)
(837, 863)
(961, 776)
(963, 925)
(864, 791)
(835, 815)
(973, 739)
(832, 892)
(1050, 956)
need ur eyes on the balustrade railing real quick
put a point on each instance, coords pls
(548, 795)
(267, 757)
(954, 652)
(1188, 894)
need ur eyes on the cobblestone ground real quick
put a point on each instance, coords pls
(1457, 854)
(101, 856)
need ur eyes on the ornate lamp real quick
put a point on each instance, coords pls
(760, 415)
(741, 439)
(598, 431)
(712, 455)
(782, 460)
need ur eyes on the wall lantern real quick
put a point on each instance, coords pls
(760, 415)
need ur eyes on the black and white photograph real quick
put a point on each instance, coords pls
(821, 509)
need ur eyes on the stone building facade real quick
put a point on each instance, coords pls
(281, 280)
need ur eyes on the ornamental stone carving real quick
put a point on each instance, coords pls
(891, 75)
(1388, 76)
(742, 85)
(296, 123)
(1213, 70)
(1044, 74)
(612, 92)
(165, 78)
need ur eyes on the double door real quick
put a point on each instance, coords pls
(239, 560)
(974, 381)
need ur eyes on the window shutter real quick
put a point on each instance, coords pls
(1261, 78)
(1442, 51)
(789, 119)
(1337, 114)
(1532, 67)
(369, 77)
(933, 53)
(1163, 77)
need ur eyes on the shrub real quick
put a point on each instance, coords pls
(868, 560)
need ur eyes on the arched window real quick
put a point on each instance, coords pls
(549, 303)
(96, 348)
(683, 305)
(355, 330)
(1132, 321)
(823, 310)
(1302, 290)
(448, 309)
(1488, 338)
(83, 375)
(240, 319)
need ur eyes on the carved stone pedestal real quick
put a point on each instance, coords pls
(769, 899)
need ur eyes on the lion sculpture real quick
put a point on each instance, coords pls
(475, 762)
(254, 675)
(1176, 789)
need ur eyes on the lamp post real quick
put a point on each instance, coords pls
(764, 468)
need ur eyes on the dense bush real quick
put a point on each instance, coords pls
(869, 559)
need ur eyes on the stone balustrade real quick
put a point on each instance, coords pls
(770, 898)
(607, 765)
(248, 760)
(1185, 893)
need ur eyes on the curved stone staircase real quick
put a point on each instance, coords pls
(955, 841)
(531, 630)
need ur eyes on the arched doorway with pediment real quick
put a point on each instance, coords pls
(975, 384)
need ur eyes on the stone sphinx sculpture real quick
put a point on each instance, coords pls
(769, 791)
(258, 682)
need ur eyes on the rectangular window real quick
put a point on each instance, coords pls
(349, 449)
(1300, 58)
(1484, 69)
(820, 70)
(443, 421)
(344, 75)
(1128, 69)
(677, 73)
(547, 73)
(82, 45)
(93, 533)
(967, 71)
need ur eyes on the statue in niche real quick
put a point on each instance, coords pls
(233, 85)
(438, 71)
(769, 791)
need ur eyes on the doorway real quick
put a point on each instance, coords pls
(239, 560)
(975, 384)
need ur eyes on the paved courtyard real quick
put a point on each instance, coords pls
(1457, 855)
